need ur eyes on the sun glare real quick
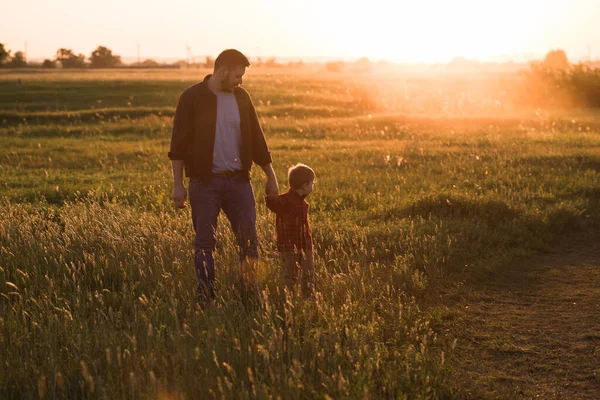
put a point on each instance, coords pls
(427, 31)
(424, 31)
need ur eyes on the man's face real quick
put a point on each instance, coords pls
(232, 77)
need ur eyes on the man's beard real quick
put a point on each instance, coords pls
(225, 85)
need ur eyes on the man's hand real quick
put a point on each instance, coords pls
(271, 188)
(179, 196)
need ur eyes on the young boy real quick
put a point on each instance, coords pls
(294, 239)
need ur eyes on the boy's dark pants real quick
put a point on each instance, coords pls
(233, 194)
(296, 267)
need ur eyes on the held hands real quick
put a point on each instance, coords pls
(271, 188)
(179, 196)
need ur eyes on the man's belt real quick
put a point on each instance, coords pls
(229, 173)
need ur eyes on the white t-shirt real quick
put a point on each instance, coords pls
(228, 136)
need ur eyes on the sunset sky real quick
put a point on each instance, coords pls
(396, 30)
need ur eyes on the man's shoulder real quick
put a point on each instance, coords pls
(197, 89)
(242, 92)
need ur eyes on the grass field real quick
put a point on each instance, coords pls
(423, 181)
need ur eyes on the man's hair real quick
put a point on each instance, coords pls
(231, 58)
(300, 174)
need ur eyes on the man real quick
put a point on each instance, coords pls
(216, 138)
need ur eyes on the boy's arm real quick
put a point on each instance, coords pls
(275, 204)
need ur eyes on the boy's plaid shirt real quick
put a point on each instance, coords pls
(291, 222)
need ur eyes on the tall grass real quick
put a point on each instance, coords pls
(96, 267)
(98, 300)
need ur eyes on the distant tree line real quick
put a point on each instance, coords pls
(258, 62)
(361, 65)
(101, 57)
(16, 61)
(554, 82)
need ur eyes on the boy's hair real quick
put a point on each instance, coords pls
(300, 174)
(231, 58)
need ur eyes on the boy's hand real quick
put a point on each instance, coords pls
(179, 195)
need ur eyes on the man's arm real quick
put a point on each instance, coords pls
(271, 187)
(179, 193)
(261, 154)
(260, 150)
(181, 126)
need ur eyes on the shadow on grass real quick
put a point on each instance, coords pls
(138, 129)
(579, 163)
(8, 118)
(454, 236)
(491, 212)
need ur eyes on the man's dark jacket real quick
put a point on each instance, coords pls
(194, 128)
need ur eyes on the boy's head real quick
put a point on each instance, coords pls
(301, 178)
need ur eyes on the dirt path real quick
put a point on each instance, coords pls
(532, 330)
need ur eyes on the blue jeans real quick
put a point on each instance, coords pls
(233, 194)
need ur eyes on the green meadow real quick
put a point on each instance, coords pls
(425, 182)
